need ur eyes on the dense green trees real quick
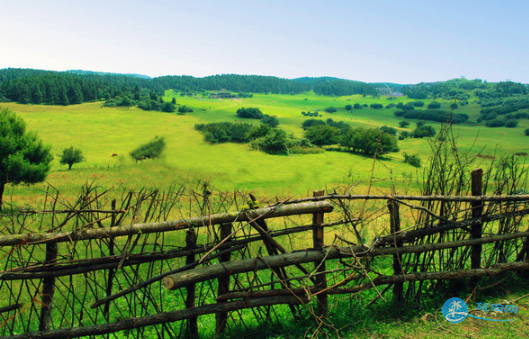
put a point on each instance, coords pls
(250, 113)
(526, 132)
(434, 115)
(412, 159)
(344, 87)
(71, 156)
(23, 157)
(369, 141)
(150, 150)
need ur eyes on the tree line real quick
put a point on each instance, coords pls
(66, 88)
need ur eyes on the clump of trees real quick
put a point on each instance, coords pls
(434, 115)
(220, 132)
(150, 150)
(250, 113)
(526, 132)
(412, 159)
(23, 156)
(184, 109)
(71, 156)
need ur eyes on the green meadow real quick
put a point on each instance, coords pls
(101, 132)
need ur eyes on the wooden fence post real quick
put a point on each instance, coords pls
(192, 322)
(394, 215)
(224, 281)
(477, 208)
(48, 289)
(318, 239)
(111, 272)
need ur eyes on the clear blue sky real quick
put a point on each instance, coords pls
(373, 40)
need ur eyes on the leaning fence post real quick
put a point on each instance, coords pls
(477, 208)
(394, 214)
(224, 281)
(48, 289)
(317, 235)
(192, 322)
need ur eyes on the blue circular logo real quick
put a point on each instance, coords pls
(455, 310)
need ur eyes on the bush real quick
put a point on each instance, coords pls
(414, 159)
(511, 123)
(250, 113)
(526, 132)
(357, 106)
(404, 123)
(169, 107)
(348, 107)
(495, 123)
(434, 105)
(184, 109)
(270, 120)
(150, 150)
(330, 109)
(376, 106)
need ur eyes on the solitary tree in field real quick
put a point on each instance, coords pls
(23, 157)
(71, 156)
(152, 149)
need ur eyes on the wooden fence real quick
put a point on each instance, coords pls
(87, 270)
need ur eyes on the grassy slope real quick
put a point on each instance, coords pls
(99, 132)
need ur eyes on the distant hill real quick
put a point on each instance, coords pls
(315, 80)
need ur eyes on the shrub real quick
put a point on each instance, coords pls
(434, 105)
(495, 123)
(348, 107)
(250, 113)
(413, 159)
(511, 123)
(404, 123)
(526, 132)
(150, 150)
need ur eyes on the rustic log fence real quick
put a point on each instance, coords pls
(67, 273)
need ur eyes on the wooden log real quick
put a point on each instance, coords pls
(477, 208)
(104, 263)
(398, 288)
(318, 243)
(260, 263)
(11, 308)
(192, 322)
(499, 198)
(224, 282)
(410, 235)
(384, 280)
(161, 318)
(48, 290)
(214, 219)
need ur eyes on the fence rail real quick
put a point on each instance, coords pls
(158, 278)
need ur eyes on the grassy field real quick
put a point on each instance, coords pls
(100, 132)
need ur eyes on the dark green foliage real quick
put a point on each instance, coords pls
(417, 103)
(250, 113)
(275, 142)
(526, 132)
(376, 106)
(423, 131)
(496, 123)
(348, 107)
(331, 109)
(259, 132)
(310, 114)
(219, 132)
(388, 130)
(150, 105)
(357, 106)
(453, 106)
(270, 120)
(311, 122)
(344, 87)
(511, 123)
(173, 101)
(150, 150)
(388, 106)
(71, 156)
(521, 115)
(23, 157)
(322, 135)
(509, 106)
(434, 115)
(404, 123)
(184, 109)
(168, 107)
(369, 141)
(413, 159)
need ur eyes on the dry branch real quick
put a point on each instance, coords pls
(116, 231)
(260, 263)
(161, 318)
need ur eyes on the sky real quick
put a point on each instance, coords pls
(402, 41)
